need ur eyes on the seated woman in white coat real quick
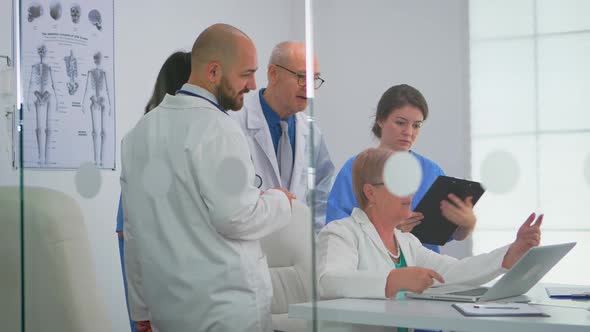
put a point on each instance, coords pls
(366, 256)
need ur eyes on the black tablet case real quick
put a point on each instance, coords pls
(434, 228)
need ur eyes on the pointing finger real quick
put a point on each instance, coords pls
(437, 276)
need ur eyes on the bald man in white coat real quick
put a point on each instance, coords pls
(193, 217)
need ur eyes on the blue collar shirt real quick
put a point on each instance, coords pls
(273, 121)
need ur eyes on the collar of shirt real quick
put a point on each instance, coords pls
(199, 91)
(273, 120)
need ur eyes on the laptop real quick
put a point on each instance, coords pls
(531, 267)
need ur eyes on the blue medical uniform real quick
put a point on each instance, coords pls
(122, 255)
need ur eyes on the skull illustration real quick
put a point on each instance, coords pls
(42, 51)
(35, 11)
(95, 19)
(75, 12)
(55, 10)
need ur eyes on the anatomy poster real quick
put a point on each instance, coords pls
(67, 83)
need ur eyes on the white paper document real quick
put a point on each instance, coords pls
(498, 309)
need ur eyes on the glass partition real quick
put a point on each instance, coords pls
(69, 282)
(505, 108)
(502, 104)
(529, 130)
(11, 232)
(370, 50)
(87, 72)
(11, 240)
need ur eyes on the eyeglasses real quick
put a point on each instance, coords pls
(378, 184)
(301, 78)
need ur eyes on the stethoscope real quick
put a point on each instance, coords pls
(258, 178)
(258, 181)
(188, 93)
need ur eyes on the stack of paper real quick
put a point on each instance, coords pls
(498, 309)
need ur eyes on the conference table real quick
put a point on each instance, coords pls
(565, 315)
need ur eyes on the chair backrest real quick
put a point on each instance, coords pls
(60, 284)
(288, 253)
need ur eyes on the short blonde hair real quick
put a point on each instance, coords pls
(368, 169)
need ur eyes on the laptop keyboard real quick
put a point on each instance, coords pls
(472, 292)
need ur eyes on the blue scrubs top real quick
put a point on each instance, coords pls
(122, 257)
(120, 216)
(342, 199)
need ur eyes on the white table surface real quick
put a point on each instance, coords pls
(439, 315)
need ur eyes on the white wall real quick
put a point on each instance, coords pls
(363, 48)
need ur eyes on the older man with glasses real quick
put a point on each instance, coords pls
(278, 132)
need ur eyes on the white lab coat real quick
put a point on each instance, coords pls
(252, 121)
(354, 263)
(191, 236)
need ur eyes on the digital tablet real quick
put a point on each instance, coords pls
(434, 228)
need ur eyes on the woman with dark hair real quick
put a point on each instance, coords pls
(401, 111)
(173, 74)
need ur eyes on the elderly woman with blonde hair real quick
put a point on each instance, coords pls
(365, 256)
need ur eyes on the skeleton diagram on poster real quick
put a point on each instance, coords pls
(68, 83)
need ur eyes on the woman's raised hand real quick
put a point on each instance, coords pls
(528, 236)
